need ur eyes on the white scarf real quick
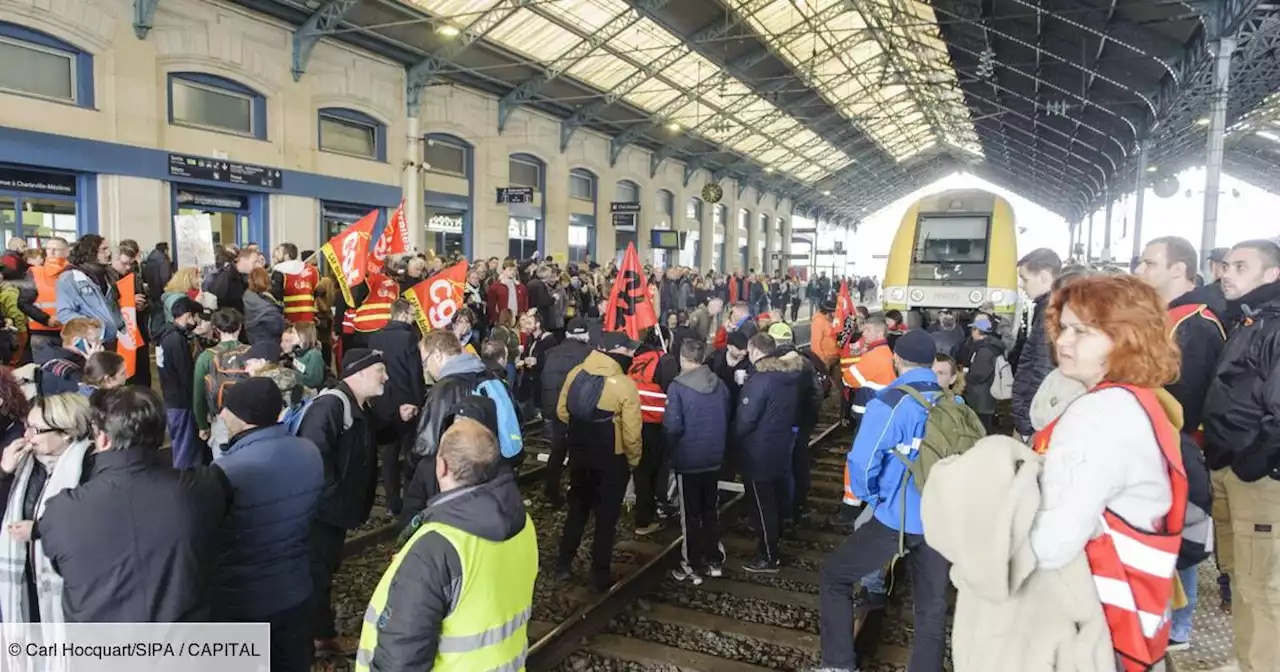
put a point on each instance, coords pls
(13, 553)
(513, 299)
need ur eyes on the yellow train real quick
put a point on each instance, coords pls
(956, 249)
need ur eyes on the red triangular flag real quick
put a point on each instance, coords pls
(844, 304)
(394, 240)
(348, 254)
(630, 308)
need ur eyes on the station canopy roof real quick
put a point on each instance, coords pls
(847, 105)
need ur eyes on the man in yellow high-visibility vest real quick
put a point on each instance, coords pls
(458, 596)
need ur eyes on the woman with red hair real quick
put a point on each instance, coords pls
(1113, 483)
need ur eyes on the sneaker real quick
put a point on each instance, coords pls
(865, 602)
(762, 566)
(686, 573)
(648, 529)
(1175, 645)
(668, 512)
(715, 571)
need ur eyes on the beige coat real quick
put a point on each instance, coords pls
(1010, 617)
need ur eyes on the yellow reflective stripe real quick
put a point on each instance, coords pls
(298, 297)
(364, 658)
(300, 309)
(372, 316)
(498, 633)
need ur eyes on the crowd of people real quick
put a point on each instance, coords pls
(1140, 408)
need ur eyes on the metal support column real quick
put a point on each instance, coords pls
(412, 188)
(1139, 193)
(1088, 248)
(1224, 47)
(1106, 226)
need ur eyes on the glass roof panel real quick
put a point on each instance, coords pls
(602, 70)
(589, 15)
(652, 95)
(645, 40)
(830, 49)
(533, 36)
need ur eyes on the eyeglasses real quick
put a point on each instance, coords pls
(37, 432)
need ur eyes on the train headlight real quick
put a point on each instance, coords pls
(975, 296)
(997, 296)
(917, 295)
(898, 293)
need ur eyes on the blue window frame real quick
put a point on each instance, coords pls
(343, 131)
(217, 104)
(43, 66)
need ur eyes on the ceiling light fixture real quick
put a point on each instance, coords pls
(826, 192)
(1152, 169)
(1203, 121)
(768, 169)
(448, 30)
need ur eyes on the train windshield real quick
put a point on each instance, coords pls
(951, 240)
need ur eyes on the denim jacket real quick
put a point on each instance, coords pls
(79, 296)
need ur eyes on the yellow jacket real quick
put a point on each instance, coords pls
(619, 397)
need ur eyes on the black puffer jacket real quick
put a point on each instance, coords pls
(981, 373)
(556, 365)
(1201, 340)
(1242, 411)
(458, 380)
(1034, 363)
(427, 583)
(765, 416)
(398, 342)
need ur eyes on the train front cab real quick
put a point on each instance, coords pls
(956, 249)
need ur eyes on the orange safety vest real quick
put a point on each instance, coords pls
(653, 401)
(46, 278)
(1174, 318)
(375, 312)
(1133, 569)
(299, 294)
(873, 369)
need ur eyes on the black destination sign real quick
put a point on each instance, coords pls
(221, 170)
(18, 179)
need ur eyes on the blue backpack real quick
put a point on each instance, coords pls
(509, 433)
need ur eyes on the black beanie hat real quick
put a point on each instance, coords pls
(359, 359)
(256, 401)
(916, 346)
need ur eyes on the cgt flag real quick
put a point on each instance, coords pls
(130, 338)
(844, 304)
(348, 254)
(630, 307)
(438, 297)
(394, 240)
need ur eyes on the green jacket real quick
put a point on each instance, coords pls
(310, 366)
(9, 306)
(199, 401)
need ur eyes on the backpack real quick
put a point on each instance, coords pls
(1002, 380)
(292, 417)
(951, 429)
(509, 433)
(226, 369)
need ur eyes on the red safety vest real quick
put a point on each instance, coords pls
(375, 312)
(299, 294)
(46, 279)
(653, 401)
(1133, 569)
(1174, 318)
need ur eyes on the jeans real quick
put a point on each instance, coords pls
(1181, 630)
(865, 551)
(873, 582)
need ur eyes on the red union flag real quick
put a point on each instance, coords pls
(844, 304)
(630, 307)
(348, 254)
(394, 240)
(438, 297)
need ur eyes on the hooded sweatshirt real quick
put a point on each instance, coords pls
(696, 421)
(986, 534)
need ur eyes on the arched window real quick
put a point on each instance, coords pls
(350, 132)
(213, 103)
(582, 185)
(447, 155)
(40, 65)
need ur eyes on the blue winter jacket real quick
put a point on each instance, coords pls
(264, 558)
(79, 296)
(765, 421)
(893, 423)
(696, 422)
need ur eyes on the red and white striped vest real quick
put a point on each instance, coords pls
(1133, 569)
(653, 401)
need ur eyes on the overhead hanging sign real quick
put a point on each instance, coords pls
(221, 170)
(625, 215)
(38, 181)
(515, 195)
